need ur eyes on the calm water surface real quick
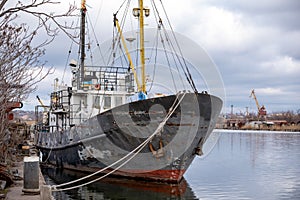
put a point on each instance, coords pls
(237, 165)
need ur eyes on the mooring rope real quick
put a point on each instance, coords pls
(48, 155)
(134, 152)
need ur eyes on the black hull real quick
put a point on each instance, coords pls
(111, 135)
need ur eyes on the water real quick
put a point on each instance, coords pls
(242, 165)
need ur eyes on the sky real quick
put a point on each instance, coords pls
(253, 44)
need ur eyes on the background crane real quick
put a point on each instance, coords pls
(261, 110)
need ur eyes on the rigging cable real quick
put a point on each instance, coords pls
(179, 58)
(125, 15)
(67, 62)
(99, 11)
(167, 58)
(111, 49)
(155, 61)
(137, 51)
(122, 27)
(89, 42)
(98, 45)
(123, 56)
(174, 55)
(191, 81)
(118, 35)
(121, 5)
(68, 57)
(159, 21)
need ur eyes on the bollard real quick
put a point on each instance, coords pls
(25, 150)
(45, 193)
(31, 175)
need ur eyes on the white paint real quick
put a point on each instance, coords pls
(91, 152)
(31, 159)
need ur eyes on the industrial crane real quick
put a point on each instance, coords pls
(45, 113)
(261, 109)
(42, 104)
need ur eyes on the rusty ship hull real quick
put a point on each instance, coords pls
(108, 137)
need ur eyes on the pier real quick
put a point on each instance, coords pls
(25, 175)
(285, 121)
(15, 191)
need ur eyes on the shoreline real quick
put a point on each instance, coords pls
(255, 130)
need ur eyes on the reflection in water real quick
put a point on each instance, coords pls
(249, 165)
(242, 165)
(116, 188)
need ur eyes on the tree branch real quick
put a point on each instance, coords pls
(20, 52)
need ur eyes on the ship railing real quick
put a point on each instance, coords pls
(73, 119)
(108, 78)
(61, 99)
(42, 128)
(41, 115)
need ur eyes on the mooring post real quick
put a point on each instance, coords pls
(31, 175)
(46, 193)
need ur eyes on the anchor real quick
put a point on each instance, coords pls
(159, 153)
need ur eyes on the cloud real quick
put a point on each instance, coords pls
(255, 45)
(269, 91)
(284, 65)
(46, 86)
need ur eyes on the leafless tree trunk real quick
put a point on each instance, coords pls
(20, 53)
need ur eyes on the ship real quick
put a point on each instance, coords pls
(106, 121)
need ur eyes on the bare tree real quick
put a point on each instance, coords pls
(21, 67)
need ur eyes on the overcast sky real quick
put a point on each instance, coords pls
(254, 44)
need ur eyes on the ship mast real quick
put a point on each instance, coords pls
(142, 46)
(82, 44)
(142, 12)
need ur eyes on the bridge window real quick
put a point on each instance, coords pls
(107, 102)
(96, 103)
(119, 101)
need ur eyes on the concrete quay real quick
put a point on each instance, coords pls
(15, 191)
